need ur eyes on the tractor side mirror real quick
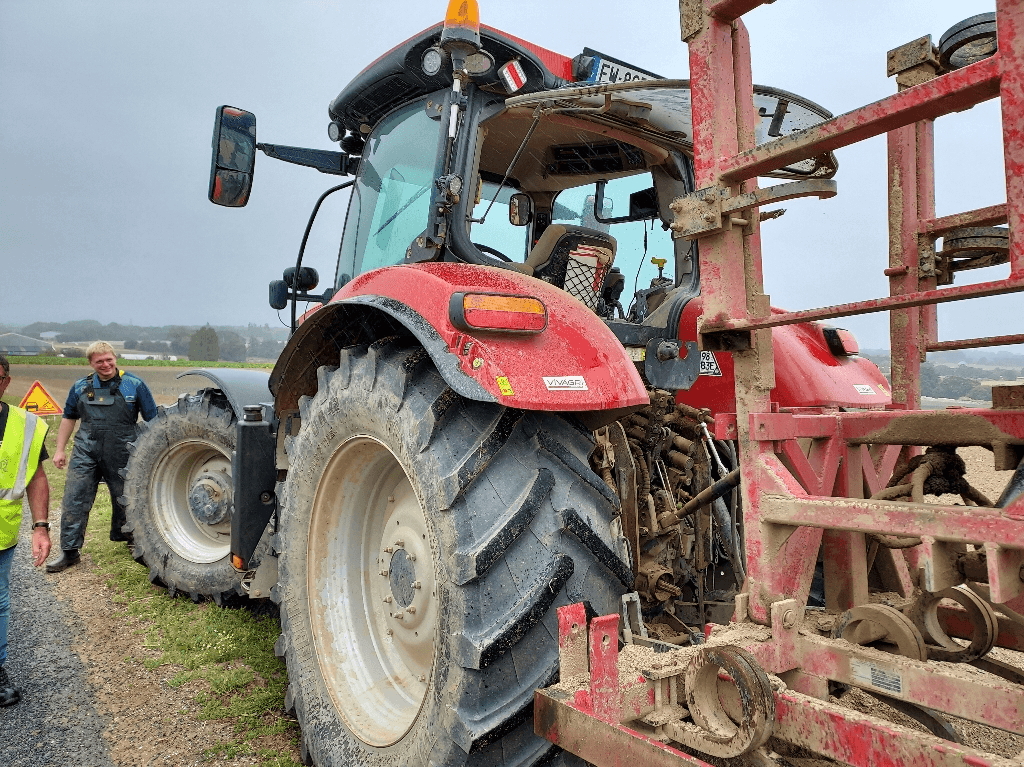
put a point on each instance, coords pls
(278, 294)
(234, 157)
(520, 209)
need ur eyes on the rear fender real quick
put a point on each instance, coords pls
(575, 365)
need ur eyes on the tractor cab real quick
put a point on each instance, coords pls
(470, 145)
(520, 167)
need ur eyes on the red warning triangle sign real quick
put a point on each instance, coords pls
(39, 401)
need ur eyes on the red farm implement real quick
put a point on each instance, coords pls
(845, 486)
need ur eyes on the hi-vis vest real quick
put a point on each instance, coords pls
(19, 459)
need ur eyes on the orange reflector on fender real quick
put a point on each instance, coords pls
(237, 563)
(499, 312)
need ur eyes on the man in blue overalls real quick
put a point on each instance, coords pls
(108, 403)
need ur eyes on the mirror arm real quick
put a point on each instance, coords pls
(305, 236)
(325, 161)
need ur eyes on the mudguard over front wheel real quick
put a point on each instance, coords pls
(425, 543)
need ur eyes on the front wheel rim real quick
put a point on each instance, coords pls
(372, 591)
(173, 479)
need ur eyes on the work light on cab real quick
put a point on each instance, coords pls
(497, 312)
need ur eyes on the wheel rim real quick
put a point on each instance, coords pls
(175, 476)
(372, 591)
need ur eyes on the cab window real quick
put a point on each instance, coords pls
(637, 242)
(391, 196)
(496, 231)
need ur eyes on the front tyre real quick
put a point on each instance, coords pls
(426, 541)
(178, 496)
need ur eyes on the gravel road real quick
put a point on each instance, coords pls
(57, 723)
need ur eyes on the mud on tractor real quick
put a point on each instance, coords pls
(488, 469)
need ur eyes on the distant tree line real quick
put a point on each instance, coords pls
(208, 345)
(961, 381)
(235, 344)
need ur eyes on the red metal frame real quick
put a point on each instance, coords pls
(806, 474)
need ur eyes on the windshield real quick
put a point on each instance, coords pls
(391, 195)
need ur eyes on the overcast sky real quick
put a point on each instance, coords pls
(108, 110)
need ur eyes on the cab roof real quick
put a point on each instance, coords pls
(396, 77)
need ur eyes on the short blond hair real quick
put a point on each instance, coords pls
(99, 347)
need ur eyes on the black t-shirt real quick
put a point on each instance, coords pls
(43, 455)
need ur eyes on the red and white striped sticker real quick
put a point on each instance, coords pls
(513, 76)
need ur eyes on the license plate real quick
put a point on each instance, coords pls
(606, 69)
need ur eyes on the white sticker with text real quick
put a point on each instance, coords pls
(562, 383)
(709, 365)
(864, 389)
(871, 675)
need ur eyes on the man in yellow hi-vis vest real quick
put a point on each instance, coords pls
(21, 473)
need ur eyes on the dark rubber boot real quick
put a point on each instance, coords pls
(9, 694)
(64, 561)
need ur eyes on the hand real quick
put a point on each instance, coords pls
(60, 460)
(40, 545)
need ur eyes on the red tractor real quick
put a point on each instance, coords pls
(485, 420)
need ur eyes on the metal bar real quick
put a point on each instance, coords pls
(605, 695)
(990, 216)
(904, 259)
(962, 427)
(951, 92)
(986, 700)
(968, 524)
(975, 343)
(572, 641)
(970, 426)
(839, 733)
(1010, 29)
(977, 290)
(600, 743)
(730, 10)
(855, 738)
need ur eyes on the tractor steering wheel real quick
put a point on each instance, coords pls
(492, 252)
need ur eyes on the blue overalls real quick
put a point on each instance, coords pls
(108, 417)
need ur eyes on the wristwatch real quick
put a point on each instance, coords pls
(44, 523)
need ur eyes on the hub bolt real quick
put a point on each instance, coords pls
(387, 599)
(418, 585)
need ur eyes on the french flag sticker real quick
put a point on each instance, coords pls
(513, 76)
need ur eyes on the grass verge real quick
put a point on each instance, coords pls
(230, 649)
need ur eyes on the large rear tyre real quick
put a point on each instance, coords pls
(425, 543)
(178, 496)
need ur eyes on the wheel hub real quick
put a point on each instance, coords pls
(209, 498)
(403, 576)
(408, 592)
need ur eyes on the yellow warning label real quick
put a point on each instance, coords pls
(504, 386)
(39, 401)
